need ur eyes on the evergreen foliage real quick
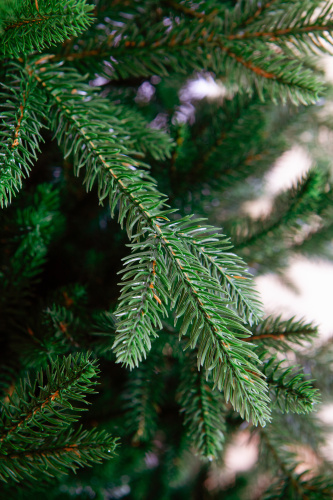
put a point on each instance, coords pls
(22, 105)
(28, 26)
(34, 434)
(204, 411)
(187, 356)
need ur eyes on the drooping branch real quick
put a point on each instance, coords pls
(216, 328)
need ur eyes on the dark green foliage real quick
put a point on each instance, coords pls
(296, 487)
(140, 308)
(211, 249)
(275, 332)
(290, 389)
(134, 130)
(204, 41)
(34, 25)
(204, 411)
(28, 411)
(34, 435)
(55, 455)
(192, 287)
(22, 111)
(187, 359)
(143, 397)
(214, 156)
(26, 234)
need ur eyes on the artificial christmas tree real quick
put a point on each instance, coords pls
(186, 358)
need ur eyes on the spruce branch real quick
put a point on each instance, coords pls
(56, 456)
(141, 303)
(34, 434)
(249, 15)
(256, 65)
(253, 65)
(301, 26)
(216, 329)
(35, 25)
(30, 414)
(21, 111)
(212, 251)
(142, 398)
(213, 328)
(275, 332)
(203, 408)
(290, 390)
(291, 207)
(210, 43)
(290, 482)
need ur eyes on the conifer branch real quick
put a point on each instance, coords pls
(215, 329)
(299, 24)
(289, 388)
(275, 34)
(212, 251)
(299, 202)
(142, 301)
(28, 414)
(291, 483)
(203, 408)
(215, 326)
(248, 15)
(142, 398)
(33, 26)
(276, 332)
(250, 65)
(203, 44)
(34, 432)
(56, 455)
(21, 110)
